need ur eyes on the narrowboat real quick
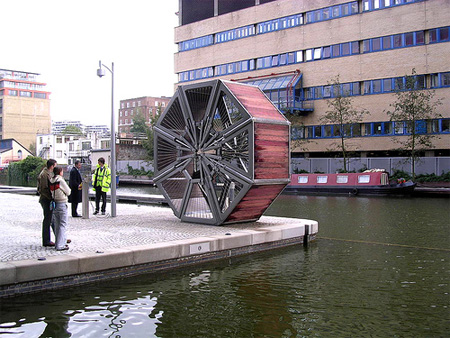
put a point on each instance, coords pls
(370, 182)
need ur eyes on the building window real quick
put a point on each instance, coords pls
(25, 94)
(40, 95)
(59, 140)
(59, 153)
(399, 128)
(85, 145)
(445, 79)
(445, 125)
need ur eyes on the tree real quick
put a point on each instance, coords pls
(148, 143)
(412, 110)
(342, 116)
(71, 129)
(139, 125)
(298, 130)
(32, 148)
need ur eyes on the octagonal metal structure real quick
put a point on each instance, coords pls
(221, 152)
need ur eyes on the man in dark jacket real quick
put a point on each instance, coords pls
(75, 187)
(45, 199)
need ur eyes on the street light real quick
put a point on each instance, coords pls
(101, 73)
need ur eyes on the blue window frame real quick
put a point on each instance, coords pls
(375, 129)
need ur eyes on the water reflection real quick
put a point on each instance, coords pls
(350, 287)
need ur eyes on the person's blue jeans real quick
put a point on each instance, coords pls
(47, 222)
(60, 216)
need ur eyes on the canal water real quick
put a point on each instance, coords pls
(380, 268)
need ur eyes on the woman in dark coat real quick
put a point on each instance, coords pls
(75, 187)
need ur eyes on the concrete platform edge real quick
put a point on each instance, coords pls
(27, 276)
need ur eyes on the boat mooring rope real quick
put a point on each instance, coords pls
(386, 244)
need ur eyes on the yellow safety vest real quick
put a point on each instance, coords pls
(102, 178)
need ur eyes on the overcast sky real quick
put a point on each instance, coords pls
(64, 40)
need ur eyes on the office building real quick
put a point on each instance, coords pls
(24, 106)
(293, 49)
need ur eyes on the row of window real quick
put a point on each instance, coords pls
(342, 178)
(23, 93)
(323, 14)
(370, 129)
(388, 85)
(131, 112)
(21, 85)
(403, 40)
(139, 103)
(372, 5)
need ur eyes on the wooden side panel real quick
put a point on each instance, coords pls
(255, 202)
(271, 151)
(254, 100)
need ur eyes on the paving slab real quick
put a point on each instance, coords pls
(139, 234)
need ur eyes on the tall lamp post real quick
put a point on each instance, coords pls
(101, 73)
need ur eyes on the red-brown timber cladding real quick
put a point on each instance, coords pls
(271, 151)
(255, 202)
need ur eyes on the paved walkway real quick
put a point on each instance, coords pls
(21, 222)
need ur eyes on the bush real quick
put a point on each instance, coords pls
(445, 177)
(400, 174)
(28, 169)
(139, 172)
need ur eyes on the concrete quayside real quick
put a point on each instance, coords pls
(141, 239)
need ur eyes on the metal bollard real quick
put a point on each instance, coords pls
(85, 197)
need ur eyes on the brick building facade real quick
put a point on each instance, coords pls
(130, 108)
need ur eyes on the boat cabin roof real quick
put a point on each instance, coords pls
(361, 179)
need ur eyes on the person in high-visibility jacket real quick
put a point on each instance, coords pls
(101, 181)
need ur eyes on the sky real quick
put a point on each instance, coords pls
(64, 40)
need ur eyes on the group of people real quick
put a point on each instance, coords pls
(55, 193)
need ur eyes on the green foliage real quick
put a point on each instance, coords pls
(148, 145)
(28, 168)
(342, 171)
(139, 172)
(445, 177)
(70, 129)
(32, 148)
(139, 125)
(414, 106)
(300, 171)
(400, 174)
